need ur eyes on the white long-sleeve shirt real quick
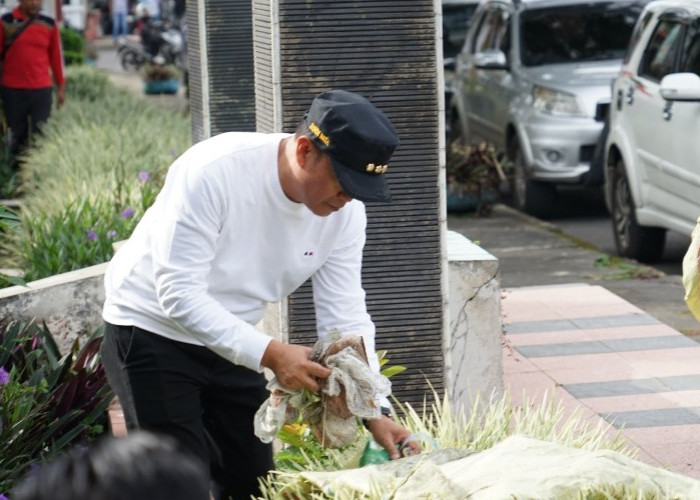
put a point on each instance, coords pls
(221, 240)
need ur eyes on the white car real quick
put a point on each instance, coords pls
(652, 165)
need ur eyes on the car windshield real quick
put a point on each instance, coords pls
(577, 33)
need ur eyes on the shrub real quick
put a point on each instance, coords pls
(48, 402)
(9, 221)
(73, 47)
(88, 179)
(82, 234)
(9, 180)
(86, 84)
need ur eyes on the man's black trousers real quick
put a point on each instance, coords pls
(194, 395)
(20, 106)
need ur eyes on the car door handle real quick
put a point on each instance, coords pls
(668, 108)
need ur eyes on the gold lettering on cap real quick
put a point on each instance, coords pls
(376, 169)
(320, 135)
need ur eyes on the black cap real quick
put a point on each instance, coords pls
(358, 137)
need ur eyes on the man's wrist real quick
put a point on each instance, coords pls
(383, 410)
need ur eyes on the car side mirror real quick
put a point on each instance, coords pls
(680, 87)
(491, 59)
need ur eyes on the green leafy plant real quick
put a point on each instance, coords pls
(89, 177)
(48, 401)
(388, 371)
(9, 178)
(300, 448)
(73, 46)
(9, 221)
(85, 84)
(302, 451)
(83, 234)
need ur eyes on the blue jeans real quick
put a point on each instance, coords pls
(119, 26)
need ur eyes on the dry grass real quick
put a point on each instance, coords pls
(488, 423)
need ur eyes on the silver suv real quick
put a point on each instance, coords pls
(455, 21)
(533, 79)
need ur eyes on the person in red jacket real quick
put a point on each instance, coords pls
(26, 86)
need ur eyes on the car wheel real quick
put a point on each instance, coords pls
(130, 60)
(532, 197)
(642, 243)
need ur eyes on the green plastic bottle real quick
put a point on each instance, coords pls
(374, 453)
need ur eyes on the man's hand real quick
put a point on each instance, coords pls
(292, 366)
(61, 95)
(389, 434)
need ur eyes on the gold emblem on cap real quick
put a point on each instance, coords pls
(376, 169)
(320, 135)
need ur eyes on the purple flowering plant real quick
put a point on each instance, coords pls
(84, 233)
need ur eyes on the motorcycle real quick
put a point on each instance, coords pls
(161, 42)
(131, 53)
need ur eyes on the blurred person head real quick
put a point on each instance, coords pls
(140, 11)
(140, 466)
(29, 7)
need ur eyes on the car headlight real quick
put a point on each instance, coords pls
(555, 102)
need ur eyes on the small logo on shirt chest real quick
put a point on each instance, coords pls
(309, 253)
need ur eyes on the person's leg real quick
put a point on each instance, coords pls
(164, 380)
(124, 26)
(16, 106)
(39, 112)
(229, 410)
(114, 348)
(116, 26)
(39, 108)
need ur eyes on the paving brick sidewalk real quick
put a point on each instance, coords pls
(533, 253)
(607, 358)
